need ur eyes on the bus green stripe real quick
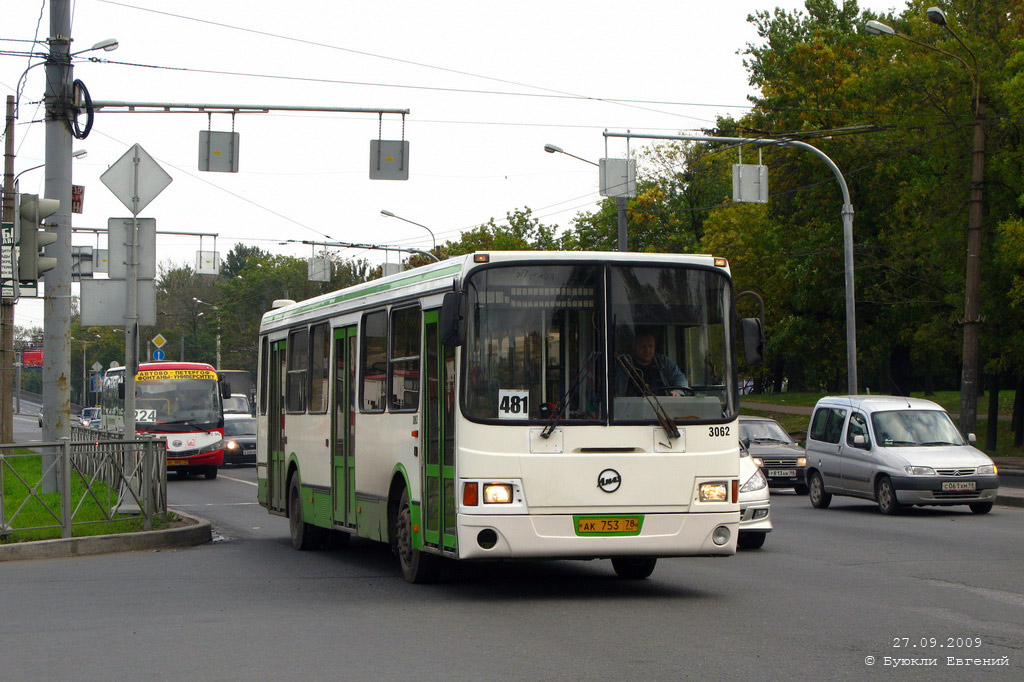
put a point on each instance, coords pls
(375, 289)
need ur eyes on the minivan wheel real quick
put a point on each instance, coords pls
(981, 507)
(820, 498)
(800, 489)
(751, 540)
(885, 494)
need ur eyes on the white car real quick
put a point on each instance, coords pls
(755, 502)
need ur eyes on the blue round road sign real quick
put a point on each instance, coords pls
(158, 354)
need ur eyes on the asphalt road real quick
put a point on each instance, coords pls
(830, 589)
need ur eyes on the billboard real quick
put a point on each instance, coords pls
(32, 358)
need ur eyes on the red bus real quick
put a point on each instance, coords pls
(179, 399)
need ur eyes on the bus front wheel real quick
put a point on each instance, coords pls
(634, 567)
(417, 566)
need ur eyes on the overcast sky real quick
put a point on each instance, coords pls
(488, 84)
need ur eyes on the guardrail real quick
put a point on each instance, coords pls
(124, 478)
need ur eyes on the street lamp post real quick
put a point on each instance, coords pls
(389, 214)
(623, 222)
(972, 284)
(217, 309)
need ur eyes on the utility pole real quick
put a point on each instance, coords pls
(57, 282)
(972, 288)
(7, 305)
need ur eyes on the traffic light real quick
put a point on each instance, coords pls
(32, 210)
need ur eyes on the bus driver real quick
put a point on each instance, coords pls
(654, 369)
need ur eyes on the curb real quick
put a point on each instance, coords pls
(1010, 500)
(196, 533)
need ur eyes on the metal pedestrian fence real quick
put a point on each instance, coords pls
(93, 477)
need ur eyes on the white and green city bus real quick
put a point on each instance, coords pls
(490, 407)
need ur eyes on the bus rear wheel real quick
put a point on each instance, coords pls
(304, 536)
(634, 567)
(417, 566)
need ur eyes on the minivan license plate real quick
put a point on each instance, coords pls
(785, 473)
(958, 486)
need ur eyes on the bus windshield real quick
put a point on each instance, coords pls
(165, 402)
(561, 341)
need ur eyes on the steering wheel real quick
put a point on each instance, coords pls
(685, 390)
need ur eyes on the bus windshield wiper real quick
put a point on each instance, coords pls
(556, 416)
(671, 430)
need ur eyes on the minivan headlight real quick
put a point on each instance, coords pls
(986, 469)
(801, 461)
(919, 471)
(755, 482)
(758, 461)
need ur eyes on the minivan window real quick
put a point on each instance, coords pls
(915, 427)
(827, 424)
(858, 427)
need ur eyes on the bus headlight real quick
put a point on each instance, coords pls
(497, 493)
(212, 447)
(714, 492)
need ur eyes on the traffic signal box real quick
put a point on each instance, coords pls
(32, 236)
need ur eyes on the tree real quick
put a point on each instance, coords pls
(522, 232)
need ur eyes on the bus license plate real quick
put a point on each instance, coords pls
(958, 486)
(607, 524)
(177, 462)
(787, 473)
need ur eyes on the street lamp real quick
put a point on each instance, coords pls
(77, 154)
(623, 224)
(972, 285)
(217, 308)
(389, 214)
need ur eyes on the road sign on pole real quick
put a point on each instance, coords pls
(158, 354)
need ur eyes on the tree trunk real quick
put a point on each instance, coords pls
(993, 412)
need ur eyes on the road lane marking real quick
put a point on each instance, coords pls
(238, 480)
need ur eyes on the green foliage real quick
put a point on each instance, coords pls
(522, 232)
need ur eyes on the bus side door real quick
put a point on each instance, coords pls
(276, 440)
(438, 460)
(343, 413)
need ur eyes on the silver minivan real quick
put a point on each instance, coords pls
(896, 451)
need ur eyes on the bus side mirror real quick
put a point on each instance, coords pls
(225, 389)
(753, 340)
(120, 390)
(453, 319)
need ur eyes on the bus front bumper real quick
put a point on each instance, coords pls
(555, 536)
(175, 461)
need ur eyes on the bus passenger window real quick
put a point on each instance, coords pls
(404, 369)
(320, 351)
(374, 333)
(298, 365)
